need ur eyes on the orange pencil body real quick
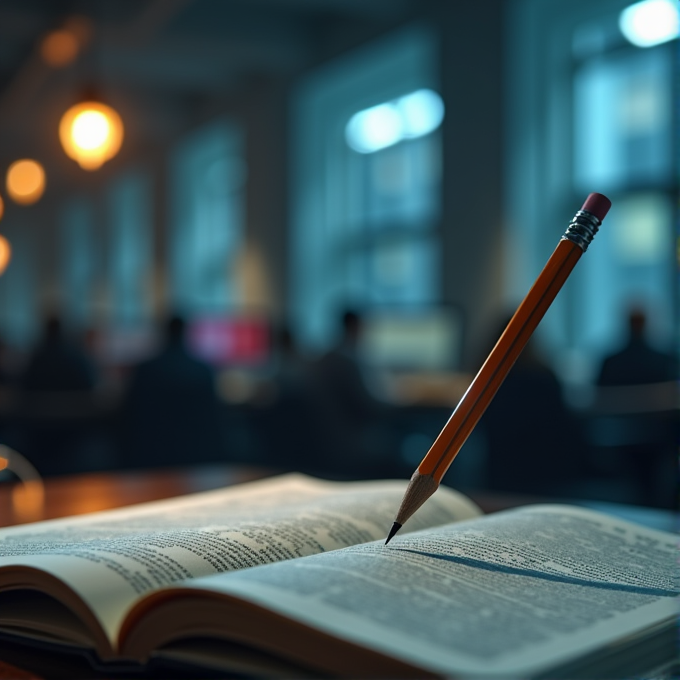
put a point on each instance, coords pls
(436, 462)
(491, 375)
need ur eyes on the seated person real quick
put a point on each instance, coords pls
(56, 417)
(645, 439)
(637, 362)
(534, 443)
(171, 411)
(359, 442)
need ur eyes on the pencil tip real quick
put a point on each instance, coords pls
(395, 527)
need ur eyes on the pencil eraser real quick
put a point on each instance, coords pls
(598, 205)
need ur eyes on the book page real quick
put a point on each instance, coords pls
(508, 594)
(111, 558)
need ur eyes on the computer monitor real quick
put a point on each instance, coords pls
(413, 340)
(224, 341)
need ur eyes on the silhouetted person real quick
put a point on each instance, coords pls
(645, 437)
(291, 366)
(637, 363)
(171, 411)
(358, 439)
(57, 364)
(57, 412)
(534, 443)
(6, 384)
(289, 432)
(7, 370)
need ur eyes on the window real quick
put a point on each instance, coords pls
(207, 180)
(79, 262)
(367, 180)
(388, 241)
(19, 311)
(591, 111)
(129, 253)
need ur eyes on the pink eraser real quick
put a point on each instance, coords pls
(598, 205)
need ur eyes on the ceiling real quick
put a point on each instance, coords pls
(158, 60)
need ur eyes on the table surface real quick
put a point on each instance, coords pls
(92, 492)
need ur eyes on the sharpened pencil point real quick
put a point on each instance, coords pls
(395, 527)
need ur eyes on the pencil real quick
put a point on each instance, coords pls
(573, 244)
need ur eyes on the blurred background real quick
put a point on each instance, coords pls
(288, 232)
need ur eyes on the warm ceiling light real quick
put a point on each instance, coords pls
(5, 253)
(59, 48)
(25, 181)
(91, 133)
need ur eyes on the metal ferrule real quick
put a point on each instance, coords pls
(582, 229)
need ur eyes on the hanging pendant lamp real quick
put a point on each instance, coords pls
(91, 132)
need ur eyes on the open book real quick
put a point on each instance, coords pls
(290, 575)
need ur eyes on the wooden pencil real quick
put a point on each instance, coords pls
(484, 386)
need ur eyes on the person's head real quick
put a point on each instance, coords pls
(351, 326)
(52, 327)
(283, 337)
(637, 320)
(174, 329)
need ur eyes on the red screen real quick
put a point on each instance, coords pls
(232, 341)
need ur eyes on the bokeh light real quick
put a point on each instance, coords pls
(413, 115)
(90, 130)
(2, 207)
(650, 22)
(5, 254)
(25, 181)
(91, 133)
(28, 494)
(59, 48)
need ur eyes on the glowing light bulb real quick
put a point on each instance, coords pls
(5, 254)
(25, 181)
(90, 130)
(91, 133)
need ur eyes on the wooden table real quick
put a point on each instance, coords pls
(91, 492)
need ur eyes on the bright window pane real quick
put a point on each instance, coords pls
(129, 252)
(367, 183)
(79, 262)
(630, 261)
(622, 120)
(19, 305)
(402, 184)
(208, 180)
